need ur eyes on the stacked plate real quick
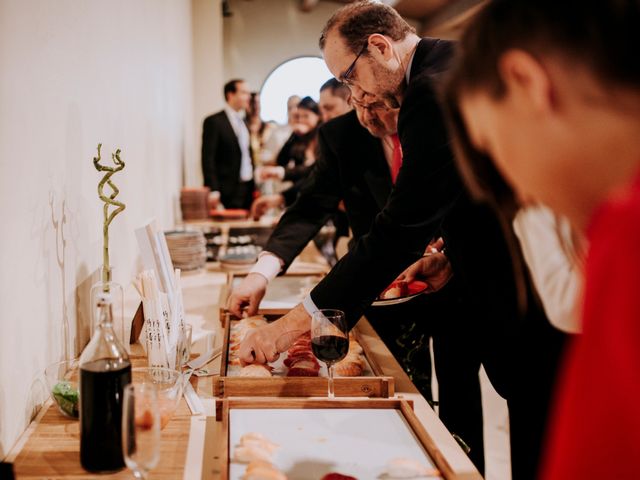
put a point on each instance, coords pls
(188, 250)
(194, 203)
(239, 257)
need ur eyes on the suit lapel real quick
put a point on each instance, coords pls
(230, 133)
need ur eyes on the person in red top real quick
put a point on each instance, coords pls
(544, 104)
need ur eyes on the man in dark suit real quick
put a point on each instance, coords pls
(334, 102)
(352, 167)
(355, 166)
(369, 46)
(227, 166)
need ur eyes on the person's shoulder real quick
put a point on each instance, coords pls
(215, 117)
(346, 120)
(343, 126)
(431, 62)
(434, 55)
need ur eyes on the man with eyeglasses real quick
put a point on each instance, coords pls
(355, 166)
(370, 47)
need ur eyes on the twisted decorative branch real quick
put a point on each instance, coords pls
(108, 200)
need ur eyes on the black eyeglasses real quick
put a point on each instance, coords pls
(346, 76)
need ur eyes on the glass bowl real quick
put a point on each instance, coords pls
(169, 385)
(62, 383)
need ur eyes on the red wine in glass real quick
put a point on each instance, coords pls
(329, 349)
(329, 339)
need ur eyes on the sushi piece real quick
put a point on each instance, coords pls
(261, 470)
(258, 440)
(409, 468)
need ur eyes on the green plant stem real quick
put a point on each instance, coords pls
(108, 200)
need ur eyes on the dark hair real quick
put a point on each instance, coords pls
(308, 103)
(356, 21)
(231, 87)
(599, 35)
(253, 104)
(338, 89)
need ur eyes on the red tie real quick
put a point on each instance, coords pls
(396, 161)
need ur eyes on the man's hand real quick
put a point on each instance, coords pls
(249, 293)
(269, 172)
(433, 268)
(264, 344)
(261, 204)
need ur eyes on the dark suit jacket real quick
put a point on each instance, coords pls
(351, 167)
(221, 158)
(429, 201)
(427, 187)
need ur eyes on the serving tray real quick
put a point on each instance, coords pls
(229, 384)
(354, 437)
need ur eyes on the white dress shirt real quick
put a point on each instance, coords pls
(242, 134)
(556, 276)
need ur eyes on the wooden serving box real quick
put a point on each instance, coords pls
(318, 436)
(374, 385)
(281, 294)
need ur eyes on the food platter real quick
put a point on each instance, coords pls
(408, 292)
(366, 381)
(314, 437)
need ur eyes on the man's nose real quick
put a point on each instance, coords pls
(357, 93)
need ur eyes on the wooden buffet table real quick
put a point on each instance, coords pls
(49, 448)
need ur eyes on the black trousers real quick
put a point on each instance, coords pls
(406, 329)
(531, 394)
(521, 358)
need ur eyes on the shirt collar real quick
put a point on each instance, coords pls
(232, 113)
(407, 73)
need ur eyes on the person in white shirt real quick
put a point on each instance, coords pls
(227, 165)
(553, 254)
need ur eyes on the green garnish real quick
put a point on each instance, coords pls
(67, 398)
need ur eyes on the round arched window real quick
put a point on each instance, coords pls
(302, 76)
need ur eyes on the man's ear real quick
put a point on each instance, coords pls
(527, 79)
(380, 47)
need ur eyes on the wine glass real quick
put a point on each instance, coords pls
(141, 429)
(329, 339)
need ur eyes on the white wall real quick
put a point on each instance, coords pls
(74, 73)
(208, 75)
(262, 34)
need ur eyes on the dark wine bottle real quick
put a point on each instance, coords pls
(104, 371)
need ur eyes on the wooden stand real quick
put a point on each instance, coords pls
(377, 385)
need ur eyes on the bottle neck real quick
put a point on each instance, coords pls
(105, 315)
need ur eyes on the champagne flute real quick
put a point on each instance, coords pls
(329, 339)
(141, 429)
